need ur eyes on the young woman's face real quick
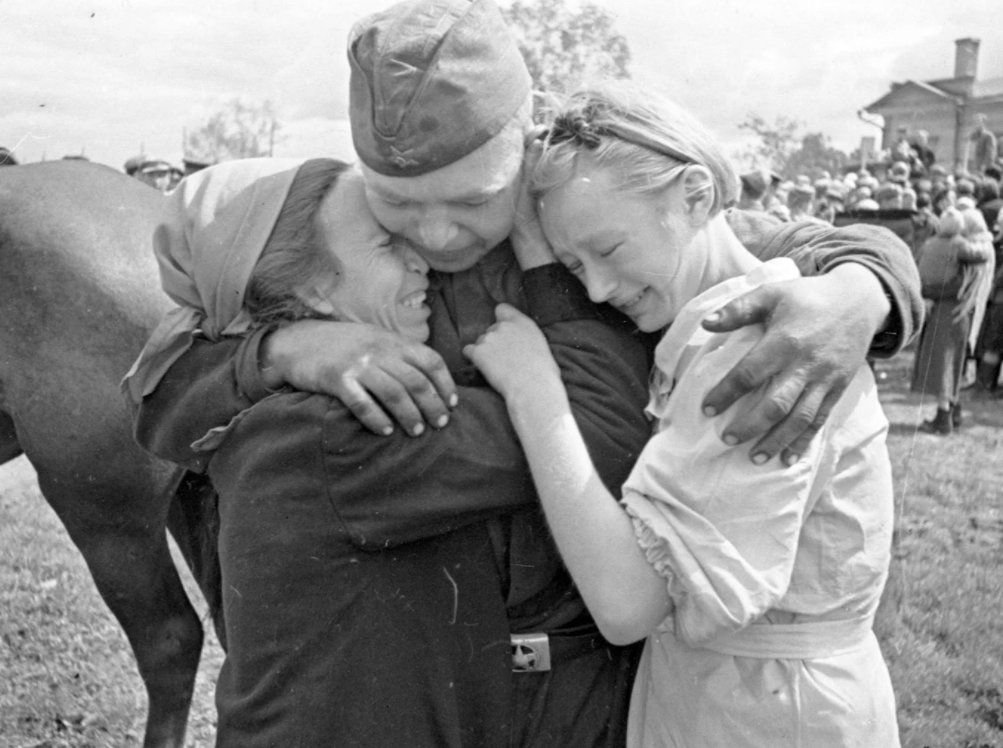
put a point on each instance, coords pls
(382, 280)
(628, 249)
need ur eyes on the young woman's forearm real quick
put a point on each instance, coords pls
(594, 535)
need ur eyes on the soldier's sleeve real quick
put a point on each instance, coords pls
(817, 248)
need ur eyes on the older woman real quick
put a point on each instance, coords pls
(362, 599)
(756, 586)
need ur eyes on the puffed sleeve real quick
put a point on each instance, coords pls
(722, 531)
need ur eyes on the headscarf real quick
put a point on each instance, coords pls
(217, 224)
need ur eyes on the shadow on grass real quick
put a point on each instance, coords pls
(985, 413)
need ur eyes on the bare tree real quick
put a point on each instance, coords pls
(782, 148)
(816, 155)
(775, 144)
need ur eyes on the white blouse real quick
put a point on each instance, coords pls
(775, 572)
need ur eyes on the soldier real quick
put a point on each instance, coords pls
(155, 172)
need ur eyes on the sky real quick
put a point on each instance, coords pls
(110, 79)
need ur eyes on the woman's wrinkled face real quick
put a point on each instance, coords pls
(382, 280)
(628, 249)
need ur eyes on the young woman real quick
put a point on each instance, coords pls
(755, 585)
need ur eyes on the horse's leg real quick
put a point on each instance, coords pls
(123, 540)
(9, 445)
(79, 296)
(193, 520)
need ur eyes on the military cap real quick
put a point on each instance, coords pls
(835, 192)
(131, 165)
(154, 165)
(431, 81)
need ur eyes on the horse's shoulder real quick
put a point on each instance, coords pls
(80, 228)
(74, 188)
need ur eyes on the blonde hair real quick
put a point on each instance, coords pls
(644, 140)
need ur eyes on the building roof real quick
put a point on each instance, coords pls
(991, 88)
(898, 88)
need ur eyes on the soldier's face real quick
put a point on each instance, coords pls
(457, 214)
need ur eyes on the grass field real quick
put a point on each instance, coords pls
(69, 679)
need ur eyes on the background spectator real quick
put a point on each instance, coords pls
(983, 144)
(155, 172)
(131, 165)
(754, 187)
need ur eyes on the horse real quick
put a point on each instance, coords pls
(79, 295)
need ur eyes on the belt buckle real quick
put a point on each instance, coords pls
(530, 653)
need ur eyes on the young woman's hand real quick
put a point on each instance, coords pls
(528, 242)
(378, 375)
(514, 356)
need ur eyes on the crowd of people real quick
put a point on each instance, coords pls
(957, 236)
(899, 183)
